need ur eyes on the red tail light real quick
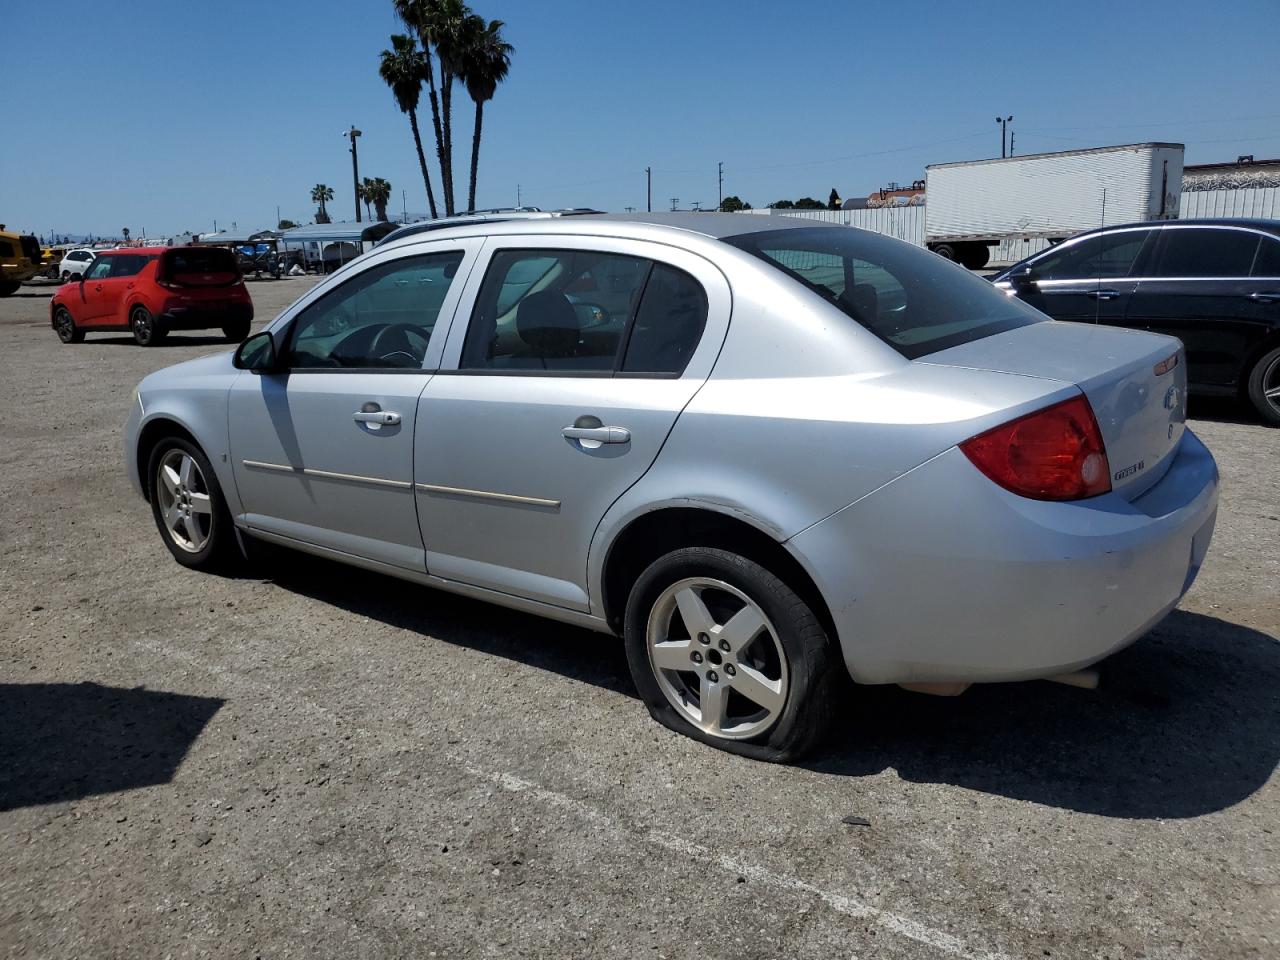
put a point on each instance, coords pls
(1053, 454)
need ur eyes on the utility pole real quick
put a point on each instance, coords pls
(518, 195)
(648, 190)
(355, 167)
(404, 207)
(1011, 143)
(277, 215)
(1004, 122)
(720, 171)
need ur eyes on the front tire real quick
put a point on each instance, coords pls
(147, 331)
(188, 506)
(65, 326)
(724, 651)
(1264, 387)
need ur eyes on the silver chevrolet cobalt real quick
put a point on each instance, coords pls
(772, 454)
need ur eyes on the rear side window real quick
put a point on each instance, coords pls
(910, 298)
(1100, 256)
(1267, 262)
(128, 264)
(583, 311)
(1205, 253)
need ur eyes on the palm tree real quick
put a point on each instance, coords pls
(377, 191)
(320, 194)
(362, 191)
(439, 25)
(404, 68)
(488, 58)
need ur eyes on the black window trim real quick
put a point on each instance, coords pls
(282, 350)
(624, 340)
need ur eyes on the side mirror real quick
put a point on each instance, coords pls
(257, 354)
(1023, 278)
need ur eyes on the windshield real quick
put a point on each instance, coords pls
(910, 298)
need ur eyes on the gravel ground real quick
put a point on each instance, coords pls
(333, 764)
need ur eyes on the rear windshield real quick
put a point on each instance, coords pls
(200, 260)
(910, 298)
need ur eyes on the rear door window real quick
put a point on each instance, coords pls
(1267, 262)
(668, 324)
(127, 265)
(910, 298)
(1205, 252)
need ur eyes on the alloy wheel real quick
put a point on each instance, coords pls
(142, 326)
(184, 500)
(63, 325)
(1271, 384)
(717, 658)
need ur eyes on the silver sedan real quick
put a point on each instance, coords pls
(774, 455)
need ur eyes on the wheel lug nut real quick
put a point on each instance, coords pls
(712, 676)
(696, 656)
(729, 669)
(724, 645)
(703, 638)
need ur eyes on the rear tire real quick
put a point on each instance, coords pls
(147, 331)
(188, 506)
(65, 326)
(1263, 387)
(763, 689)
(236, 332)
(946, 251)
(976, 256)
(66, 275)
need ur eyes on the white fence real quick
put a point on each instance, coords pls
(907, 223)
(1242, 202)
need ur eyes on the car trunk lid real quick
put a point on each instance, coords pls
(1135, 382)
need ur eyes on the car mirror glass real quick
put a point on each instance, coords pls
(257, 354)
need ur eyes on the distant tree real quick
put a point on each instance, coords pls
(782, 205)
(808, 203)
(834, 201)
(125, 231)
(405, 68)
(376, 191)
(285, 225)
(362, 192)
(321, 194)
(484, 61)
(733, 204)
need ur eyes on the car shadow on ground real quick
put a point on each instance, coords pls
(1187, 720)
(172, 340)
(66, 741)
(1223, 410)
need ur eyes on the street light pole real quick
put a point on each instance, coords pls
(1004, 122)
(355, 168)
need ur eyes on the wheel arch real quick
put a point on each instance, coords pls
(1266, 343)
(149, 437)
(656, 532)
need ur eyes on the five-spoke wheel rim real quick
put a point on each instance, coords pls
(1271, 384)
(185, 506)
(64, 325)
(717, 658)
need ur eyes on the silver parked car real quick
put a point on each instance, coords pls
(772, 454)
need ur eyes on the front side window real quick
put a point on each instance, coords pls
(381, 318)
(101, 267)
(1101, 256)
(1205, 253)
(910, 298)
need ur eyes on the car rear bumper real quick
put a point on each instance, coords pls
(943, 576)
(205, 317)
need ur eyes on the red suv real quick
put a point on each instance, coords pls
(153, 290)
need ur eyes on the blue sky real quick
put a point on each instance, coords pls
(165, 115)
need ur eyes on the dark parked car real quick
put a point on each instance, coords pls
(1214, 284)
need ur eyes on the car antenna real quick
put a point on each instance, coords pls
(1097, 291)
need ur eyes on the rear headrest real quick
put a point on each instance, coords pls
(547, 322)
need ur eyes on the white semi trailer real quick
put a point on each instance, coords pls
(1050, 196)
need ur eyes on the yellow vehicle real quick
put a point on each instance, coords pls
(19, 260)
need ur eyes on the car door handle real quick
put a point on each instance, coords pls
(383, 417)
(598, 434)
(1264, 296)
(1103, 294)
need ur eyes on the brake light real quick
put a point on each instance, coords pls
(1053, 454)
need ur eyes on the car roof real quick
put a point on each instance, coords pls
(1257, 223)
(716, 226)
(117, 251)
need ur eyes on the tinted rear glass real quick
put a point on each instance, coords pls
(1205, 253)
(910, 298)
(200, 260)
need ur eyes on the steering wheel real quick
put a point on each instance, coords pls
(395, 340)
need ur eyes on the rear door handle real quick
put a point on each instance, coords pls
(1103, 294)
(383, 417)
(1264, 296)
(596, 434)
